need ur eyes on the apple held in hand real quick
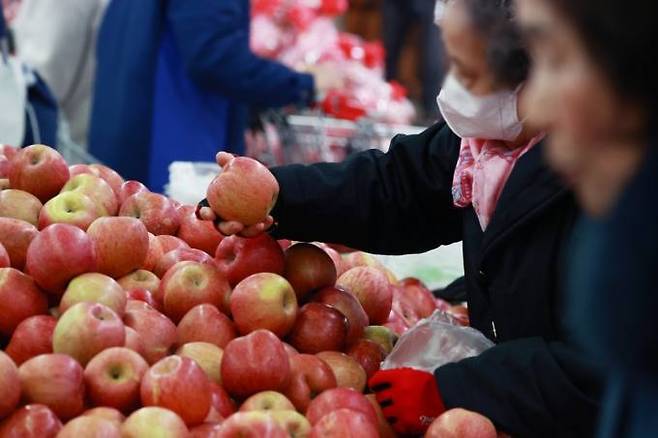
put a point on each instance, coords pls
(59, 253)
(154, 421)
(31, 421)
(16, 236)
(96, 189)
(32, 337)
(188, 284)
(95, 288)
(20, 298)
(267, 401)
(10, 385)
(21, 205)
(121, 244)
(309, 376)
(239, 257)
(461, 423)
(86, 329)
(345, 423)
(371, 287)
(254, 363)
(349, 373)
(39, 170)
(205, 323)
(245, 191)
(349, 306)
(340, 398)
(113, 377)
(319, 327)
(197, 233)
(307, 268)
(264, 301)
(179, 384)
(208, 356)
(156, 212)
(55, 380)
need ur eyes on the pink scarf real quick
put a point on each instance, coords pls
(482, 171)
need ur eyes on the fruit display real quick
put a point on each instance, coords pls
(150, 323)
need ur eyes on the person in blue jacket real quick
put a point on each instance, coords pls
(596, 81)
(174, 80)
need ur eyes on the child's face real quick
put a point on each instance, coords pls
(571, 98)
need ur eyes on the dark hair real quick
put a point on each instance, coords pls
(622, 38)
(507, 56)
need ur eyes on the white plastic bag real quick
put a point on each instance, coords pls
(435, 341)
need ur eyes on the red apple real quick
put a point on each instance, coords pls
(460, 423)
(157, 332)
(121, 243)
(110, 414)
(179, 384)
(419, 297)
(349, 373)
(221, 405)
(154, 210)
(368, 354)
(10, 385)
(385, 429)
(140, 279)
(154, 421)
(16, 236)
(245, 191)
(206, 430)
(5, 261)
(32, 337)
(460, 314)
(109, 175)
(69, 208)
(134, 341)
(170, 243)
(90, 427)
(349, 306)
(154, 253)
(267, 401)
(372, 289)
(309, 376)
(95, 288)
(295, 423)
(130, 188)
(205, 323)
(188, 284)
(197, 233)
(181, 255)
(335, 257)
(113, 377)
(319, 328)
(345, 423)
(290, 350)
(86, 329)
(21, 205)
(382, 336)
(307, 268)
(141, 294)
(96, 189)
(20, 298)
(340, 398)
(254, 363)
(58, 254)
(264, 301)
(252, 424)
(239, 257)
(56, 381)
(39, 170)
(31, 421)
(208, 356)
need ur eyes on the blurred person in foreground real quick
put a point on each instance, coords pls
(596, 81)
(174, 81)
(479, 178)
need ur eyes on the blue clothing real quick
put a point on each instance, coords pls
(613, 288)
(174, 80)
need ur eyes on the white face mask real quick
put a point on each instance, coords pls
(490, 117)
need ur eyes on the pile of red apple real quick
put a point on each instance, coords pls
(122, 314)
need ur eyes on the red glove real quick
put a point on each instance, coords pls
(409, 398)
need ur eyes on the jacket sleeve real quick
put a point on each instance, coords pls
(214, 45)
(528, 387)
(388, 203)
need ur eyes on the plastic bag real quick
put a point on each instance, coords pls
(436, 341)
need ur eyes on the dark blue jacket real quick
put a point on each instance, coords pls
(181, 69)
(614, 291)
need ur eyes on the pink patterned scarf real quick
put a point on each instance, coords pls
(482, 171)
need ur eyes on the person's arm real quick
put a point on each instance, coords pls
(390, 203)
(527, 387)
(214, 45)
